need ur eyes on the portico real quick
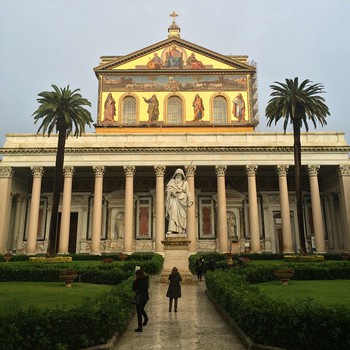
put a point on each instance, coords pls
(175, 104)
(132, 185)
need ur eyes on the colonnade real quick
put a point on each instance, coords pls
(6, 175)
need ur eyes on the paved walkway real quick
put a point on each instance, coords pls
(196, 325)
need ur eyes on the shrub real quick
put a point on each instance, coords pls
(92, 324)
(110, 273)
(301, 325)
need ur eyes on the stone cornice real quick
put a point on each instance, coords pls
(170, 149)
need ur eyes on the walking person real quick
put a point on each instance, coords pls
(140, 287)
(199, 268)
(174, 289)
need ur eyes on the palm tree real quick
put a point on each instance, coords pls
(61, 110)
(297, 104)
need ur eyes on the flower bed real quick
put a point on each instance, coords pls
(57, 259)
(303, 258)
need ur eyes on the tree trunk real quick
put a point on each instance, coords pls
(298, 185)
(57, 188)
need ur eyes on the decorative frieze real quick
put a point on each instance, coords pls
(207, 246)
(201, 149)
(109, 246)
(143, 245)
(79, 200)
(273, 199)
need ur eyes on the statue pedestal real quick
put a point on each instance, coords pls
(235, 248)
(176, 254)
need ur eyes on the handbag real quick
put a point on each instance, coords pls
(136, 300)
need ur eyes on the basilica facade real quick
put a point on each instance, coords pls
(174, 105)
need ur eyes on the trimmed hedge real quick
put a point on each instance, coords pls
(93, 323)
(220, 259)
(86, 257)
(105, 273)
(295, 326)
(302, 271)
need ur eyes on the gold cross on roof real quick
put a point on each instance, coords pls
(174, 15)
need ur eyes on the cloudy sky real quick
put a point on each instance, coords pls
(45, 42)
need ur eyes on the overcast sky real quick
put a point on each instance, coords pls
(45, 42)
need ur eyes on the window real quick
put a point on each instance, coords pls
(129, 110)
(174, 111)
(206, 218)
(220, 110)
(144, 218)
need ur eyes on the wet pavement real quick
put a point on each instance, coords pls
(196, 325)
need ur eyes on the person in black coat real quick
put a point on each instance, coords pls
(174, 289)
(199, 268)
(140, 287)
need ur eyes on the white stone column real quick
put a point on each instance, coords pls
(316, 209)
(160, 209)
(66, 205)
(253, 209)
(344, 181)
(285, 211)
(222, 212)
(34, 209)
(6, 175)
(97, 211)
(129, 208)
(191, 211)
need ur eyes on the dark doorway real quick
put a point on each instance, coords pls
(73, 229)
(280, 240)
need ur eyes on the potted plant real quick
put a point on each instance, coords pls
(122, 256)
(229, 259)
(7, 257)
(68, 276)
(284, 275)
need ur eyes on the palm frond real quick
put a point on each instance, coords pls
(62, 109)
(294, 102)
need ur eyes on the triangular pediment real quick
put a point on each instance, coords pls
(174, 54)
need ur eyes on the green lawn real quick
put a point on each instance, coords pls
(48, 294)
(325, 292)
